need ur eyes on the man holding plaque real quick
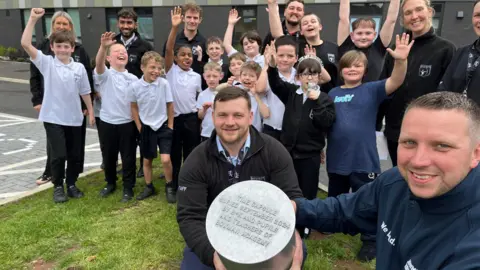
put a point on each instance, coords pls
(426, 211)
(235, 152)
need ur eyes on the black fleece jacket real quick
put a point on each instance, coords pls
(36, 78)
(455, 78)
(135, 51)
(204, 175)
(428, 60)
(304, 124)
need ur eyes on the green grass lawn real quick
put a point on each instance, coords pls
(96, 233)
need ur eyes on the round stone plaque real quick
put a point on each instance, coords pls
(251, 225)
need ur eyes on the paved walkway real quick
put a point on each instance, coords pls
(23, 155)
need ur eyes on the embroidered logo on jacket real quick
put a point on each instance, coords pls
(385, 229)
(76, 58)
(331, 57)
(425, 70)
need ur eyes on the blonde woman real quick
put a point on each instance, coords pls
(428, 60)
(60, 21)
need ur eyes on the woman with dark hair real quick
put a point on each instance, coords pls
(463, 75)
(428, 60)
(60, 21)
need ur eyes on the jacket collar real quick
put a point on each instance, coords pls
(427, 36)
(462, 196)
(256, 143)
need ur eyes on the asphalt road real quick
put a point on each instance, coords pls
(15, 97)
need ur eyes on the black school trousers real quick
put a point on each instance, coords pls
(308, 171)
(340, 184)
(48, 168)
(186, 136)
(64, 145)
(119, 139)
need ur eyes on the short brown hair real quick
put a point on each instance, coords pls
(253, 66)
(310, 14)
(366, 22)
(127, 13)
(350, 57)
(152, 55)
(252, 36)
(447, 100)
(214, 39)
(62, 36)
(212, 66)
(231, 93)
(237, 56)
(193, 7)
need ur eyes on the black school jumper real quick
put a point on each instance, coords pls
(303, 130)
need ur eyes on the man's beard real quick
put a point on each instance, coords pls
(293, 23)
(129, 35)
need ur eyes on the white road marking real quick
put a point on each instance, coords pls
(13, 80)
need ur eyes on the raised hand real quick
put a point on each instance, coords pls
(402, 47)
(36, 13)
(206, 105)
(233, 17)
(313, 95)
(230, 80)
(273, 55)
(177, 16)
(309, 50)
(267, 54)
(107, 39)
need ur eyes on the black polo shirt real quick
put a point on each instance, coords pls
(198, 39)
(375, 55)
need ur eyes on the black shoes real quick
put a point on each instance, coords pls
(43, 179)
(127, 195)
(368, 251)
(74, 192)
(59, 195)
(147, 192)
(107, 190)
(170, 193)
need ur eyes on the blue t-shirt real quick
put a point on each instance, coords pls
(352, 143)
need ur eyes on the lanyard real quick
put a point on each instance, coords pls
(127, 46)
(471, 66)
(234, 166)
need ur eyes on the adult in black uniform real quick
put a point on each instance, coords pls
(428, 60)
(294, 11)
(463, 74)
(60, 21)
(136, 48)
(192, 17)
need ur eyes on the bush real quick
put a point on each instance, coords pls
(12, 53)
(3, 51)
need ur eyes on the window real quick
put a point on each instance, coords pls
(76, 22)
(246, 23)
(437, 18)
(47, 21)
(26, 16)
(145, 22)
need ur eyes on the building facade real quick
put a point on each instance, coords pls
(452, 18)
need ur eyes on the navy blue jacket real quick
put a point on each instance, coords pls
(412, 233)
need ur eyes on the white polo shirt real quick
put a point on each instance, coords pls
(113, 87)
(206, 95)
(276, 106)
(184, 85)
(63, 85)
(152, 99)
